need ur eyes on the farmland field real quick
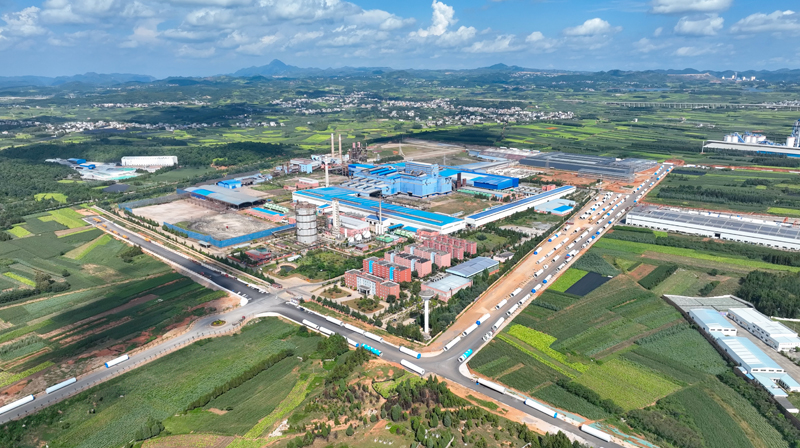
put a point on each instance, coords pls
(166, 386)
(567, 279)
(621, 348)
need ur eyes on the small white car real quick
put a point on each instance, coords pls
(488, 336)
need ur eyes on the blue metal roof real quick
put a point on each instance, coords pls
(752, 357)
(202, 192)
(511, 205)
(489, 180)
(473, 267)
(347, 197)
(711, 318)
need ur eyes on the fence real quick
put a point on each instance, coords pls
(231, 241)
(129, 206)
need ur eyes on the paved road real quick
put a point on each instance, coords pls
(445, 364)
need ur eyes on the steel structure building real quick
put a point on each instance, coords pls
(351, 203)
(475, 266)
(747, 355)
(774, 334)
(765, 232)
(221, 195)
(447, 286)
(306, 216)
(149, 161)
(607, 167)
(505, 210)
(712, 322)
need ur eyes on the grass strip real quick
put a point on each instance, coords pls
(20, 279)
(641, 248)
(292, 401)
(9, 378)
(535, 356)
(22, 331)
(101, 241)
(19, 231)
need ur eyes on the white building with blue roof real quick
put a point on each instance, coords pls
(748, 355)
(774, 334)
(712, 322)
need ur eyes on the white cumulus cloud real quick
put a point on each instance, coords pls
(691, 51)
(24, 23)
(592, 27)
(685, 6)
(458, 37)
(500, 44)
(186, 51)
(645, 45)
(443, 17)
(258, 47)
(705, 26)
(538, 42)
(778, 21)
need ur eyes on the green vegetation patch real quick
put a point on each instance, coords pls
(58, 197)
(567, 279)
(68, 217)
(84, 251)
(593, 262)
(20, 279)
(626, 383)
(18, 231)
(560, 398)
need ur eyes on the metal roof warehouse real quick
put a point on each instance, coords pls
(717, 225)
(502, 211)
(471, 268)
(223, 195)
(394, 214)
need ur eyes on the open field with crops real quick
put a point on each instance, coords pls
(621, 348)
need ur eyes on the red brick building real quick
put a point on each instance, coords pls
(422, 266)
(371, 285)
(443, 259)
(387, 270)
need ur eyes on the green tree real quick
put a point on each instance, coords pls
(350, 431)
(447, 420)
(434, 421)
(397, 412)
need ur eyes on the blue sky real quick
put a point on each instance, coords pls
(208, 37)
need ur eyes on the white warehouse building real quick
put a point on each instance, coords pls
(765, 232)
(774, 334)
(149, 160)
(712, 322)
(503, 211)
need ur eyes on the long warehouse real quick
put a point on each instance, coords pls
(723, 226)
(350, 203)
(502, 211)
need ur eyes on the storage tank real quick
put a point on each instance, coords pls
(306, 223)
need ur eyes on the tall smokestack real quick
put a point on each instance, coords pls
(341, 159)
(327, 162)
(332, 153)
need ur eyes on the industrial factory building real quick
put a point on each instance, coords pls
(747, 355)
(759, 143)
(351, 203)
(774, 334)
(421, 180)
(476, 266)
(712, 322)
(505, 210)
(222, 196)
(593, 166)
(765, 232)
(144, 161)
(447, 286)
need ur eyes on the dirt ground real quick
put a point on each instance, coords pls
(228, 225)
(641, 271)
(617, 186)
(176, 211)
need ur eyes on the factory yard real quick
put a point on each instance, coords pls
(227, 225)
(177, 211)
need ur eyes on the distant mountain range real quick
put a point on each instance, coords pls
(86, 78)
(277, 68)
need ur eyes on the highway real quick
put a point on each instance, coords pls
(444, 364)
